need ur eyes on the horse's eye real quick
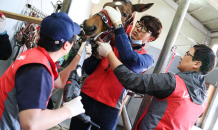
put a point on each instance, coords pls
(124, 14)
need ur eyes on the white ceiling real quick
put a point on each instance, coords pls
(206, 12)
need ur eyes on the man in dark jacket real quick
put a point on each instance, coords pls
(178, 99)
(5, 45)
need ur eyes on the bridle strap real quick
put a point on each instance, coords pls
(127, 20)
(109, 20)
(105, 20)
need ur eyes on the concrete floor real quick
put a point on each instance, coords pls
(62, 126)
(58, 128)
(65, 126)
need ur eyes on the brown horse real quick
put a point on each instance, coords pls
(95, 25)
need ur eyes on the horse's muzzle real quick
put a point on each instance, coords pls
(89, 30)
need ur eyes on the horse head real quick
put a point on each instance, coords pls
(95, 25)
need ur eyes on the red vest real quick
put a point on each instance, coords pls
(102, 85)
(35, 55)
(180, 112)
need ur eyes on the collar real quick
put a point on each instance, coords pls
(188, 72)
(138, 47)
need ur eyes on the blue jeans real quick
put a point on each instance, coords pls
(104, 116)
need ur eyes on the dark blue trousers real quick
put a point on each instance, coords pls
(104, 116)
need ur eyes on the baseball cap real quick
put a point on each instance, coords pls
(60, 27)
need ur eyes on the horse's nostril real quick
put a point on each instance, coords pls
(90, 30)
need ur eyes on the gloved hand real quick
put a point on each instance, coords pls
(75, 106)
(115, 15)
(103, 48)
(88, 49)
(2, 23)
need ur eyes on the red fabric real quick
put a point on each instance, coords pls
(142, 51)
(68, 82)
(137, 127)
(7, 81)
(1, 14)
(108, 18)
(38, 28)
(174, 54)
(102, 85)
(130, 26)
(181, 112)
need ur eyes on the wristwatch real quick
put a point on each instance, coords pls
(119, 26)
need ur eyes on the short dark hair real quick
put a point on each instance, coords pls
(52, 47)
(152, 24)
(207, 57)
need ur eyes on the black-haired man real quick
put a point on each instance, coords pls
(26, 86)
(178, 99)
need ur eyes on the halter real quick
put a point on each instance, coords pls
(107, 21)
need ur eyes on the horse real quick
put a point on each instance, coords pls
(96, 24)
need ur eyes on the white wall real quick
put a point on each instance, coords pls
(80, 10)
(214, 40)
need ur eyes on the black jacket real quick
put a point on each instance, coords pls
(162, 85)
(5, 47)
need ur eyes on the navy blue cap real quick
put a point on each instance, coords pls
(60, 27)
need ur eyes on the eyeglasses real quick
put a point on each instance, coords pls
(188, 54)
(143, 28)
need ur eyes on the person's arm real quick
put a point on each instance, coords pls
(134, 61)
(33, 85)
(159, 85)
(5, 45)
(60, 82)
(130, 58)
(114, 62)
(37, 119)
(90, 64)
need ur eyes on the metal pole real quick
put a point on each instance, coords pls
(125, 117)
(171, 37)
(66, 6)
(59, 100)
(54, 91)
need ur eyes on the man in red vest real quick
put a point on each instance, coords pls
(179, 99)
(26, 86)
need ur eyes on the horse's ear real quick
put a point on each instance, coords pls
(141, 7)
